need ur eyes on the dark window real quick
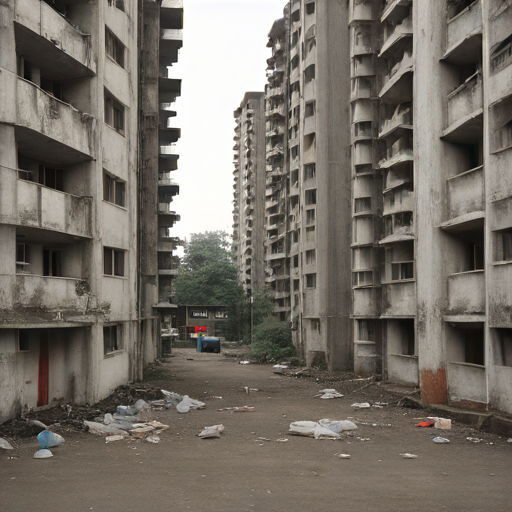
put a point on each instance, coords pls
(362, 204)
(22, 254)
(52, 262)
(310, 109)
(114, 114)
(112, 338)
(114, 47)
(23, 340)
(310, 196)
(113, 262)
(310, 8)
(113, 190)
(310, 280)
(51, 178)
(309, 171)
(295, 261)
(402, 270)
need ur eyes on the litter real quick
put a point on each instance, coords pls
(363, 438)
(125, 410)
(244, 362)
(282, 440)
(187, 404)
(312, 429)
(440, 440)
(153, 439)
(509, 440)
(101, 429)
(43, 454)
(408, 456)
(171, 398)
(429, 423)
(5, 444)
(342, 455)
(330, 393)
(282, 366)
(442, 423)
(474, 439)
(364, 405)
(111, 439)
(211, 432)
(47, 439)
(254, 389)
(262, 439)
(337, 426)
(245, 408)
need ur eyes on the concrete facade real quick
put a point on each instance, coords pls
(249, 192)
(399, 139)
(70, 312)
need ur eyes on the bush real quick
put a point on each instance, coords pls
(272, 341)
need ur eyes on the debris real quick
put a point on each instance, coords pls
(342, 455)
(282, 440)
(245, 408)
(408, 456)
(111, 439)
(187, 404)
(429, 423)
(442, 423)
(363, 438)
(262, 439)
(5, 445)
(244, 362)
(440, 440)
(330, 393)
(125, 410)
(254, 389)
(509, 440)
(171, 397)
(37, 423)
(312, 429)
(474, 439)
(101, 429)
(282, 366)
(47, 439)
(153, 439)
(43, 454)
(337, 426)
(210, 432)
(246, 390)
(364, 405)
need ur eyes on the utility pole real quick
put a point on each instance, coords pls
(252, 315)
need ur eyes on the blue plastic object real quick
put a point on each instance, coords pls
(47, 439)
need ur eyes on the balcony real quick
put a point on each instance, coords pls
(168, 158)
(399, 299)
(363, 66)
(48, 129)
(310, 125)
(466, 193)
(167, 272)
(466, 293)
(400, 121)
(397, 86)
(400, 152)
(48, 39)
(167, 219)
(167, 186)
(401, 200)
(275, 256)
(171, 14)
(464, 36)
(465, 112)
(276, 91)
(58, 293)
(360, 11)
(44, 208)
(363, 152)
(396, 36)
(168, 89)
(466, 382)
(171, 40)
(396, 10)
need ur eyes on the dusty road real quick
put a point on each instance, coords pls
(240, 473)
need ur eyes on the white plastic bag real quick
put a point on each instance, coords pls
(188, 403)
(337, 426)
(5, 444)
(43, 454)
(330, 393)
(100, 429)
(213, 431)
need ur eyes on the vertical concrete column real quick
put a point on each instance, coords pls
(334, 182)
(430, 162)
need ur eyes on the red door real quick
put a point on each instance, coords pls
(42, 389)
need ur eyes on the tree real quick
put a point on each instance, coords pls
(208, 276)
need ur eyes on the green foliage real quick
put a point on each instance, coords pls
(272, 341)
(207, 276)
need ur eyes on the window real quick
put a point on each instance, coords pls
(504, 136)
(310, 280)
(315, 324)
(114, 47)
(23, 340)
(406, 329)
(310, 73)
(295, 261)
(296, 236)
(112, 338)
(113, 262)
(506, 244)
(114, 114)
(311, 257)
(117, 3)
(309, 171)
(366, 330)
(310, 196)
(310, 109)
(22, 256)
(364, 278)
(310, 216)
(51, 178)
(311, 234)
(52, 262)
(310, 8)
(503, 347)
(113, 190)
(296, 285)
(362, 204)
(402, 270)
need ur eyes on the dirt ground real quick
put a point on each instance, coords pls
(242, 473)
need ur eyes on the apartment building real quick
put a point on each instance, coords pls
(70, 201)
(249, 192)
(308, 170)
(396, 120)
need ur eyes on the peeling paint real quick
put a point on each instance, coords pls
(433, 386)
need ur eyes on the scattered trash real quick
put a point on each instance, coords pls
(374, 424)
(101, 429)
(330, 393)
(43, 454)
(245, 408)
(474, 439)
(282, 440)
(282, 366)
(244, 362)
(254, 389)
(440, 440)
(429, 423)
(509, 440)
(187, 404)
(111, 439)
(337, 426)
(408, 456)
(153, 439)
(436, 422)
(363, 439)
(5, 445)
(364, 405)
(342, 455)
(210, 432)
(262, 439)
(47, 439)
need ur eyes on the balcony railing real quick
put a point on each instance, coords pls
(464, 30)
(466, 293)
(466, 193)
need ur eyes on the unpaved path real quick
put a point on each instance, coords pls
(240, 473)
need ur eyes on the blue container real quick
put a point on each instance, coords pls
(210, 345)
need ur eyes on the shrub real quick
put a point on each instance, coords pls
(272, 341)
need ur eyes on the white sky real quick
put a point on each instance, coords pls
(224, 55)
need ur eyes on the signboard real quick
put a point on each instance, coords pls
(198, 313)
(221, 315)
(200, 329)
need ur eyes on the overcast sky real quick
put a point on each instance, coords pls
(224, 55)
